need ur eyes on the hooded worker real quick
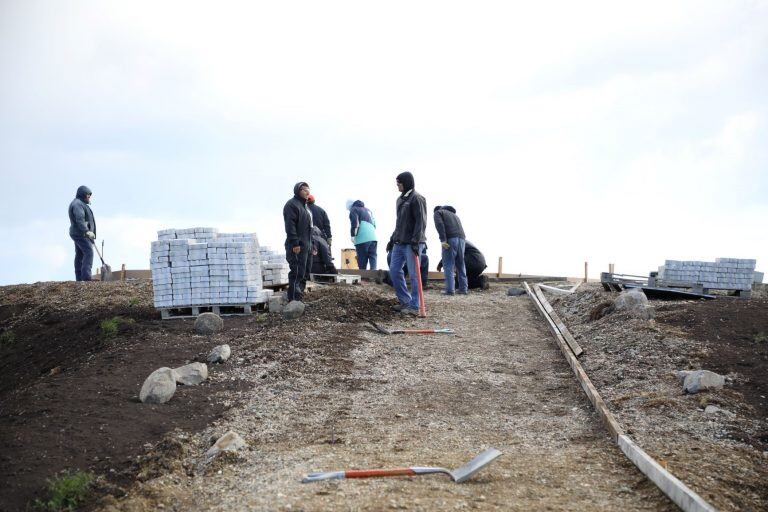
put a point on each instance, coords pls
(320, 219)
(82, 230)
(452, 241)
(298, 240)
(363, 234)
(408, 242)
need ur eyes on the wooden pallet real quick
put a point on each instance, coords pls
(275, 287)
(335, 278)
(219, 309)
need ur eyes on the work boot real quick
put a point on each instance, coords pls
(410, 311)
(397, 308)
(446, 293)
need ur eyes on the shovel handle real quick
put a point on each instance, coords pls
(367, 473)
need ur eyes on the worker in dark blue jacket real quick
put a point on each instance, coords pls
(298, 240)
(452, 240)
(82, 230)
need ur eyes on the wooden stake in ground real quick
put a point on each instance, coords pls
(422, 306)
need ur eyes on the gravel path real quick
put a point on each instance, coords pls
(425, 400)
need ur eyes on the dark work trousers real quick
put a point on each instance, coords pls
(366, 255)
(83, 257)
(300, 265)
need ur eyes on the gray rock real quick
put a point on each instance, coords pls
(711, 409)
(208, 323)
(682, 374)
(191, 374)
(514, 292)
(634, 302)
(293, 310)
(219, 354)
(159, 386)
(702, 380)
(276, 303)
(229, 442)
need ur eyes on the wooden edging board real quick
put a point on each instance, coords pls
(572, 343)
(680, 494)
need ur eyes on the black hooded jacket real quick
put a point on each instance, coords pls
(448, 224)
(81, 217)
(411, 224)
(320, 219)
(298, 220)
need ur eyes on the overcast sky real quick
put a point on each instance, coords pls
(562, 132)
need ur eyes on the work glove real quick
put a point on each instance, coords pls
(297, 249)
(446, 245)
(91, 235)
(416, 249)
(330, 241)
(390, 246)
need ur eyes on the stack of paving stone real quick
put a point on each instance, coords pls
(200, 266)
(274, 267)
(723, 274)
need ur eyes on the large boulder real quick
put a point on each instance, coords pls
(702, 380)
(634, 302)
(208, 323)
(191, 374)
(159, 386)
(219, 354)
(229, 442)
(293, 310)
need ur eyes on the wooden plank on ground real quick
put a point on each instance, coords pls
(558, 291)
(678, 492)
(608, 420)
(572, 343)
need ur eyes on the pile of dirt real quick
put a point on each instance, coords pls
(69, 388)
(632, 363)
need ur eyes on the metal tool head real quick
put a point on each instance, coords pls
(379, 328)
(470, 468)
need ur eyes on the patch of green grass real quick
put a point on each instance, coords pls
(110, 327)
(761, 337)
(133, 301)
(7, 339)
(66, 491)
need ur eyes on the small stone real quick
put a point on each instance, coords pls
(702, 380)
(159, 387)
(208, 323)
(219, 354)
(514, 291)
(293, 310)
(229, 442)
(191, 374)
(711, 409)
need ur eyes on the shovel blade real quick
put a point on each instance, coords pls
(470, 468)
(106, 273)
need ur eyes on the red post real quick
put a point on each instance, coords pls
(422, 306)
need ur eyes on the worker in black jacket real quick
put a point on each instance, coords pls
(408, 242)
(82, 230)
(452, 240)
(474, 262)
(320, 219)
(298, 240)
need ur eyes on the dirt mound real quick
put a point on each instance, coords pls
(74, 355)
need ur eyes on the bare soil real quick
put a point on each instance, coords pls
(722, 456)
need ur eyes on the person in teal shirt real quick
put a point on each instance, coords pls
(363, 234)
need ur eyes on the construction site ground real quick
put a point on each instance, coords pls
(327, 392)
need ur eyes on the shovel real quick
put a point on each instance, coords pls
(410, 331)
(458, 475)
(106, 270)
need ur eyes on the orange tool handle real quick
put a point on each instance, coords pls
(422, 306)
(416, 331)
(365, 473)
